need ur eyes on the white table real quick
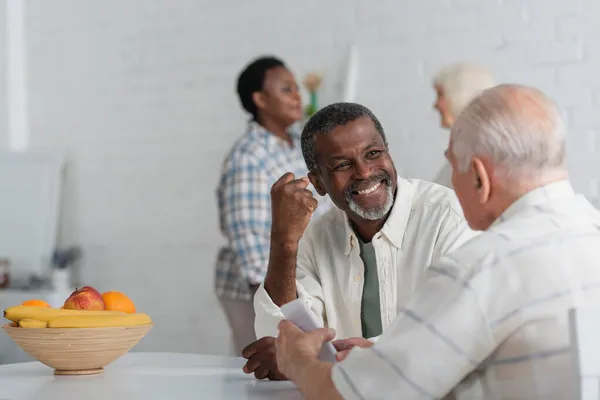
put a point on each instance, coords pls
(144, 376)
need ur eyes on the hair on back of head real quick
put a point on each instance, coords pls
(462, 82)
(252, 79)
(517, 127)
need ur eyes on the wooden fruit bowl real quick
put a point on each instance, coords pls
(77, 351)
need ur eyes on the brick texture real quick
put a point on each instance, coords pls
(141, 96)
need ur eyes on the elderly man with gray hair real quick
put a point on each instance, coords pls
(490, 321)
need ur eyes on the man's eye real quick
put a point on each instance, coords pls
(374, 153)
(341, 166)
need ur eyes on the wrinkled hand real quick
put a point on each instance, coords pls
(262, 360)
(297, 349)
(292, 206)
(343, 346)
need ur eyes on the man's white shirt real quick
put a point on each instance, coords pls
(425, 222)
(490, 320)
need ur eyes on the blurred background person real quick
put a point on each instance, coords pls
(455, 86)
(270, 147)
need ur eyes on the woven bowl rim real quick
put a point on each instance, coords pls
(8, 327)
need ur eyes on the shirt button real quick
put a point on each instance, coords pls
(358, 278)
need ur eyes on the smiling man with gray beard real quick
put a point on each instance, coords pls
(358, 264)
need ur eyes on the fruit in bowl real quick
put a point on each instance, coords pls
(117, 301)
(86, 298)
(76, 341)
(36, 302)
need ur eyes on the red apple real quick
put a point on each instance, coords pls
(86, 298)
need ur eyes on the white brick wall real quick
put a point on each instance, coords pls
(141, 94)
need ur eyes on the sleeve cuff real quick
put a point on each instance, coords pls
(268, 314)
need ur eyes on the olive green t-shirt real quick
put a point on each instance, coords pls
(370, 310)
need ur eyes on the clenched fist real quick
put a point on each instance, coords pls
(292, 206)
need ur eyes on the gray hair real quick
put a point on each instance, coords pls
(516, 127)
(461, 82)
(326, 120)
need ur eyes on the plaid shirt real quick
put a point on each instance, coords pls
(255, 162)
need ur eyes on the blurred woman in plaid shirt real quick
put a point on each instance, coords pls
(268, 149)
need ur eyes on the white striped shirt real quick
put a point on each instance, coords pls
(491, 319)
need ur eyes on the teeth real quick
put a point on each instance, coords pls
(369, 190)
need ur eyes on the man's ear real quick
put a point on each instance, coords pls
(259, 100)
(316, 182)
(481, 180)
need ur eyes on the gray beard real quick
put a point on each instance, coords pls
(376, 213)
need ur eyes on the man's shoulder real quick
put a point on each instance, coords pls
(493, 244)
(483, 245)
(432, 196)
(322, 226)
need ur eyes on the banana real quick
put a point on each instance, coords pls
(17, 313)
(32, 323)
(99, 321)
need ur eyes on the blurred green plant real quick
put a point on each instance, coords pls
(312, 82)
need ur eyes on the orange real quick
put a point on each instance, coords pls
(37, 303)
(117, 301)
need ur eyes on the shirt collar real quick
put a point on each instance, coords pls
(395, 225)
(535, 197)
(271, 140)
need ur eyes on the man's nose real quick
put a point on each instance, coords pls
(362, 170)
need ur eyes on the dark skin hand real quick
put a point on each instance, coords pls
(292, 206)
(261, 356)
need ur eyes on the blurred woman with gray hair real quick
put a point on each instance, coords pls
(456, 85)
